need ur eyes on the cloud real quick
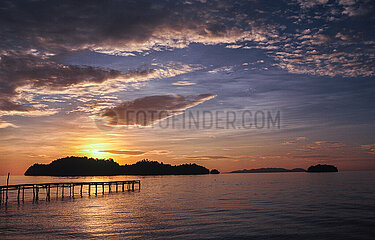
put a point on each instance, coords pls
(136, 152)
(347, 2)
(124, 152)
(207, 157)
(313, 156)
(369, 148)
(6, 105)
(297, 139)
(227, 69)
(324, 145)
(234, 46)
(301, 138)
(183, 83)
(355, 8)
(311, 3)
(33, 45)
(30, 113)
(171, 69)
(26, 76)
(160, 152)
(151, 109)
(330, 144)
(39, 72)
(34, 74)
(7, 124)
(119, 27)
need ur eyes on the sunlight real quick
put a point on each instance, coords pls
(94, 149)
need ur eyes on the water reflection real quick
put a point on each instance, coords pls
(283, 205)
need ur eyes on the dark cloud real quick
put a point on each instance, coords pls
(327, 34)
(28, 69)
(313, 29)
(71, 25)
(35, 34)
(6, 105)
(312, 37)
(37, 72)
(148, 110)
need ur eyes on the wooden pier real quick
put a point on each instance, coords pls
(60, 188)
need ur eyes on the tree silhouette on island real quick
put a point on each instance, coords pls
(322, 168)
(83, 166)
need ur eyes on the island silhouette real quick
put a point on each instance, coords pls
(84, 166)
(316, 168)
(322, 168)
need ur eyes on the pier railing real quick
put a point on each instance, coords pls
(60, 188)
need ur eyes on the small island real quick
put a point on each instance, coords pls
(269, 170)
(322, 168)
(83, 166)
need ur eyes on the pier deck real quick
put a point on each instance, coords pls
(60, 188)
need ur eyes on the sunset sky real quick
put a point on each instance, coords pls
(69, 70)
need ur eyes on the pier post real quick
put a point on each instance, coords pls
(89, 188)
(23, 194)
(109, 187)
(96, 189)
(103, 188)
(70, 190)
(57, 191)
(62, 191)
(73, 190)
(81, 189)
(36, 193)
(1, 195)
(6, 197)
(133, 186)
(123, 186)
(49, 192)
(33, 193)
(116, 187)
(18, 194)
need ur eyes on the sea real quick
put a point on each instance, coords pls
(225, 206)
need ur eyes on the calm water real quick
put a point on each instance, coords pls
(227, 206)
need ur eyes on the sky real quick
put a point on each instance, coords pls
(224, 84)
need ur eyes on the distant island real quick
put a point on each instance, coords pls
(322, 168)
(269, 170)
(83, 166)
(316, 168)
